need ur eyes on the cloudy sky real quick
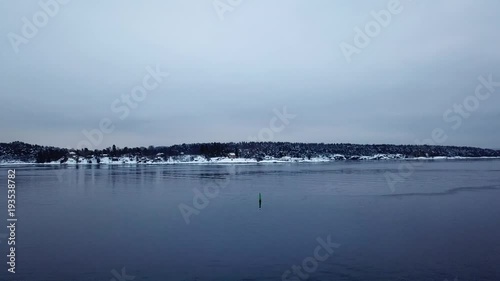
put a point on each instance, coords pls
(229, 69)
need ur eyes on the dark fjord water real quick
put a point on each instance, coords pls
(99, 222)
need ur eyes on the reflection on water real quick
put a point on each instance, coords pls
(81, 222)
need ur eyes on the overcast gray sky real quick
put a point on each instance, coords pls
(227, 76)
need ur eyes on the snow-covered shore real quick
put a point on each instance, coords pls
(196, 159)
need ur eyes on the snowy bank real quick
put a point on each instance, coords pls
(197, 159)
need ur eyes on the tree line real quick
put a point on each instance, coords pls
(19, 151)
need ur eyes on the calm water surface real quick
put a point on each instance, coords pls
(82, 223)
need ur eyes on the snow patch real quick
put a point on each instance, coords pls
(197, 159)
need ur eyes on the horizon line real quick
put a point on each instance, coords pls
(228, 142)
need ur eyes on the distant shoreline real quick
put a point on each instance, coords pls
(242, 152)
(228, 161)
